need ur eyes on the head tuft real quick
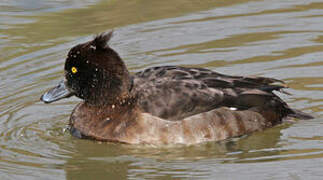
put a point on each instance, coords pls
(101, 40)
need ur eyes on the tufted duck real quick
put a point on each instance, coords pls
(165, 104)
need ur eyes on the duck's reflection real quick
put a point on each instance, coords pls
(92, 159)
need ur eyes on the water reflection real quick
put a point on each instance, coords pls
(120, 161)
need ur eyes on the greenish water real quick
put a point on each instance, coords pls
(280, 39)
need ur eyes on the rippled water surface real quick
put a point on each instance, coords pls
(280, 39)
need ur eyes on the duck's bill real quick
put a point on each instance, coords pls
(56, 93)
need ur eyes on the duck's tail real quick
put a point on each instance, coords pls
(294, 113)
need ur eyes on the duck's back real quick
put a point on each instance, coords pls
(175, 93)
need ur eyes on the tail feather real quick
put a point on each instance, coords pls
(299, 114)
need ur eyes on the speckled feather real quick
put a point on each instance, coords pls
(174, 93)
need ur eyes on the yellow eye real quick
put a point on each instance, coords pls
(74, 70)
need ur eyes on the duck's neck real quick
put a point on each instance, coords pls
(121, 101)
(112, 91)
(118, 112)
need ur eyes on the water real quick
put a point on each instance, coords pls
(279, 39)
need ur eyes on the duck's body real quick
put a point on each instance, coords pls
(144, 128)
(167, 104)
(171, 104)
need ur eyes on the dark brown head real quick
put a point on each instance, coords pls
(94, 72)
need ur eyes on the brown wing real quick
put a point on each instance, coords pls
(173, 92)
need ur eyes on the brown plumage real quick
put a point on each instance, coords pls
(164, 105)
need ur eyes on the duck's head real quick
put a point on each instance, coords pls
(93, 72)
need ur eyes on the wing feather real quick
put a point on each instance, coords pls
(174, 93)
